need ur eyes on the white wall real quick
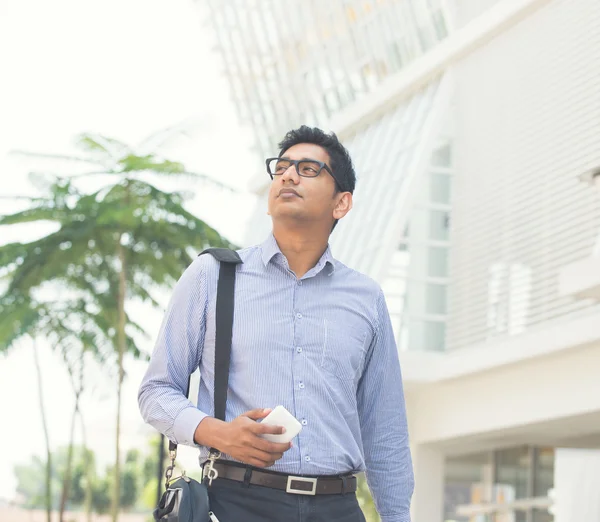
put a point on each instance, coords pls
(543, 401)
(528, 122)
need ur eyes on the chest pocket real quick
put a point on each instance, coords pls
(344, 350)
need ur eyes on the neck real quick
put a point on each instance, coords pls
(302, 247)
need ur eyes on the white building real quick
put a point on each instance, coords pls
(469, 125)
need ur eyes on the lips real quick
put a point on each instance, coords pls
(288, 193)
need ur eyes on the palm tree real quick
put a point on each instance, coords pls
(74, 333)
(19, 319)
(123, 241)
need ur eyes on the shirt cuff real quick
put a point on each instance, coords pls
(185, 425)
(395, 518)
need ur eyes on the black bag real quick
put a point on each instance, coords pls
(185, 499)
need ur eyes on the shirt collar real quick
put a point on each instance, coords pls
(270, 249)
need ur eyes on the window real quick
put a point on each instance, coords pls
(439, 225)
(442, 157)
(515, 478)
(437, 262)
(464, 483)
(439, 191)
(513, 467)
(543, 472)
(426, 335)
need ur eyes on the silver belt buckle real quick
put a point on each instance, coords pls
(295, 491)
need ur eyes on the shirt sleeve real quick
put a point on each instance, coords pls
(384, 428)
(162, 394)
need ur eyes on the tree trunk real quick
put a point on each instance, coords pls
(89, 476)
(46, 436)
(67, 478)
(78, 389)
(121, 351)
(161, 459)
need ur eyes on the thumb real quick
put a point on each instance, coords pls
(258, 413)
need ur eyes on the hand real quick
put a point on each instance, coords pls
(241, 439)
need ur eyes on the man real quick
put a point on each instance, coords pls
(310, 334)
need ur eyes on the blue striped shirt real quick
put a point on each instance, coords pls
(322, 346)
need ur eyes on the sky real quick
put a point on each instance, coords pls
(124, 68)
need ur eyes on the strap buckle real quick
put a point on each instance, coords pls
(296, 491)
(209, 470)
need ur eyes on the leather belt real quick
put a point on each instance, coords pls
(296, 485)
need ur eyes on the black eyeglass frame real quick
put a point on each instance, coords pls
(321, 164)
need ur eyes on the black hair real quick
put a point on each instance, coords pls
(341, 163)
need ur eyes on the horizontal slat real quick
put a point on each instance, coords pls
(528, 123)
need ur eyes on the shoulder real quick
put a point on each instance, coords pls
(359, 281)
(249, 254)
(205, 266)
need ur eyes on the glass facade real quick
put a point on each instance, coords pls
(385, 156)
(508, 485)
(303, 61)
(513, 468)
(426, 247)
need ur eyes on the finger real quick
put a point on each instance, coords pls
(271, 447)
(259, 463)
(256, 414)
(262, 428)
(259, 458)
(268, 457)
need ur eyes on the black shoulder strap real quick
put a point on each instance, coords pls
(224, 323)
(228, 260)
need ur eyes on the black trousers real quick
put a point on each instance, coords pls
(234, 501)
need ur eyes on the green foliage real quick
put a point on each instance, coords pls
(138, 479)
(101, 495)
(115, 244)
(32, 488)
(148, 496)
(153, 226)
(131, 480)
(366, 500)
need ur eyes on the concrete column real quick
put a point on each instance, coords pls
(576, 485)
(428, 498)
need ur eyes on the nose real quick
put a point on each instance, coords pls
(290, 174)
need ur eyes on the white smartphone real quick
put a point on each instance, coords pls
(281, 417)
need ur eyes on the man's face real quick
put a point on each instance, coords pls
(301, 199)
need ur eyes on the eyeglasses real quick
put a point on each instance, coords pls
(305, 167)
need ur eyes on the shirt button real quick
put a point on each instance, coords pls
(299, 283)
(304, 422)
(307, 458)
(299, 350)
(299, 316)
(301, 386)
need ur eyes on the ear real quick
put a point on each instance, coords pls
(343, 205)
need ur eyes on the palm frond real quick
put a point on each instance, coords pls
(46, 156)
(163, 137)
(40, 213)
(150, 163)
(107, 148)
(79, 259)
